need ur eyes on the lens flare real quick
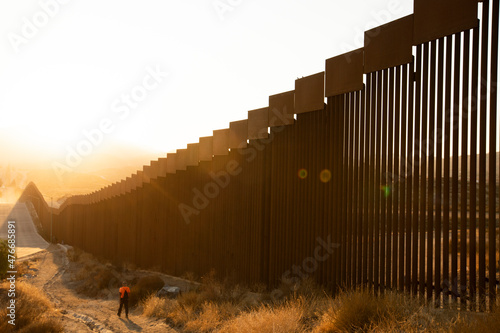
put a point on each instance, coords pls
(302, 173)
(325, 176)
(386, 190)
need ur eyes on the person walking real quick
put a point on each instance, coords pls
(124, 293)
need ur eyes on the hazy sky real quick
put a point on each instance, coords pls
(159, 73)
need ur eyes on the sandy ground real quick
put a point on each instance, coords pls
(52, 273)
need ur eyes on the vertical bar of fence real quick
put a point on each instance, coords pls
(446, 173)
(350, 176)
(439, 180)
(338, 172)
(394, 172)
(329, 219)
(401, 179)
(347, 186)
(409, 78)
(342, 173)
(473, 169)
(492, 194)
(383, 182)
(344, 116)
(388, 184)
(367, 179)
(464, 178)
(455, 130)
(492, 203)
(371, 195)
(272, 214)
(431, 167)
(416, 166)
(482, 154)
(335, 235)
(361, 181)
(423, 167)
(355, 168)
(378, 140)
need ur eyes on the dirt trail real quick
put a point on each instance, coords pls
(79, 313)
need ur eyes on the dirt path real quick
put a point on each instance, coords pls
(78, 313)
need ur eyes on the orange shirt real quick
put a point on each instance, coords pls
(122, 291)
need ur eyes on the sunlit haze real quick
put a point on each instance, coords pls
(214, 61)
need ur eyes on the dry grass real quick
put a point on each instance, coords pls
(32, 310)
(211, 316)
(43, 325)
(225, 307)
(285, 318)
(361, 311)
(24, 267)
(214, 301)
(205, 309)
(153, 306)
(479, 323)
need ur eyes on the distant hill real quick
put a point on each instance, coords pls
(107, 164)
(72, 183)
(116, 157)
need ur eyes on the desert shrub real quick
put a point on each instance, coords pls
(359, 310)
(32, 309)
(4, 258)
(284, 318)
(43, 326)
(480, 323)
(204, 318)
(211, 304)
(23, 267)
(212, 316)
(154, 306)
(180, 315)
(144, 287)
(221, 306)
(214, 301)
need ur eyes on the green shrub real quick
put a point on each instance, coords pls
(4, 258)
